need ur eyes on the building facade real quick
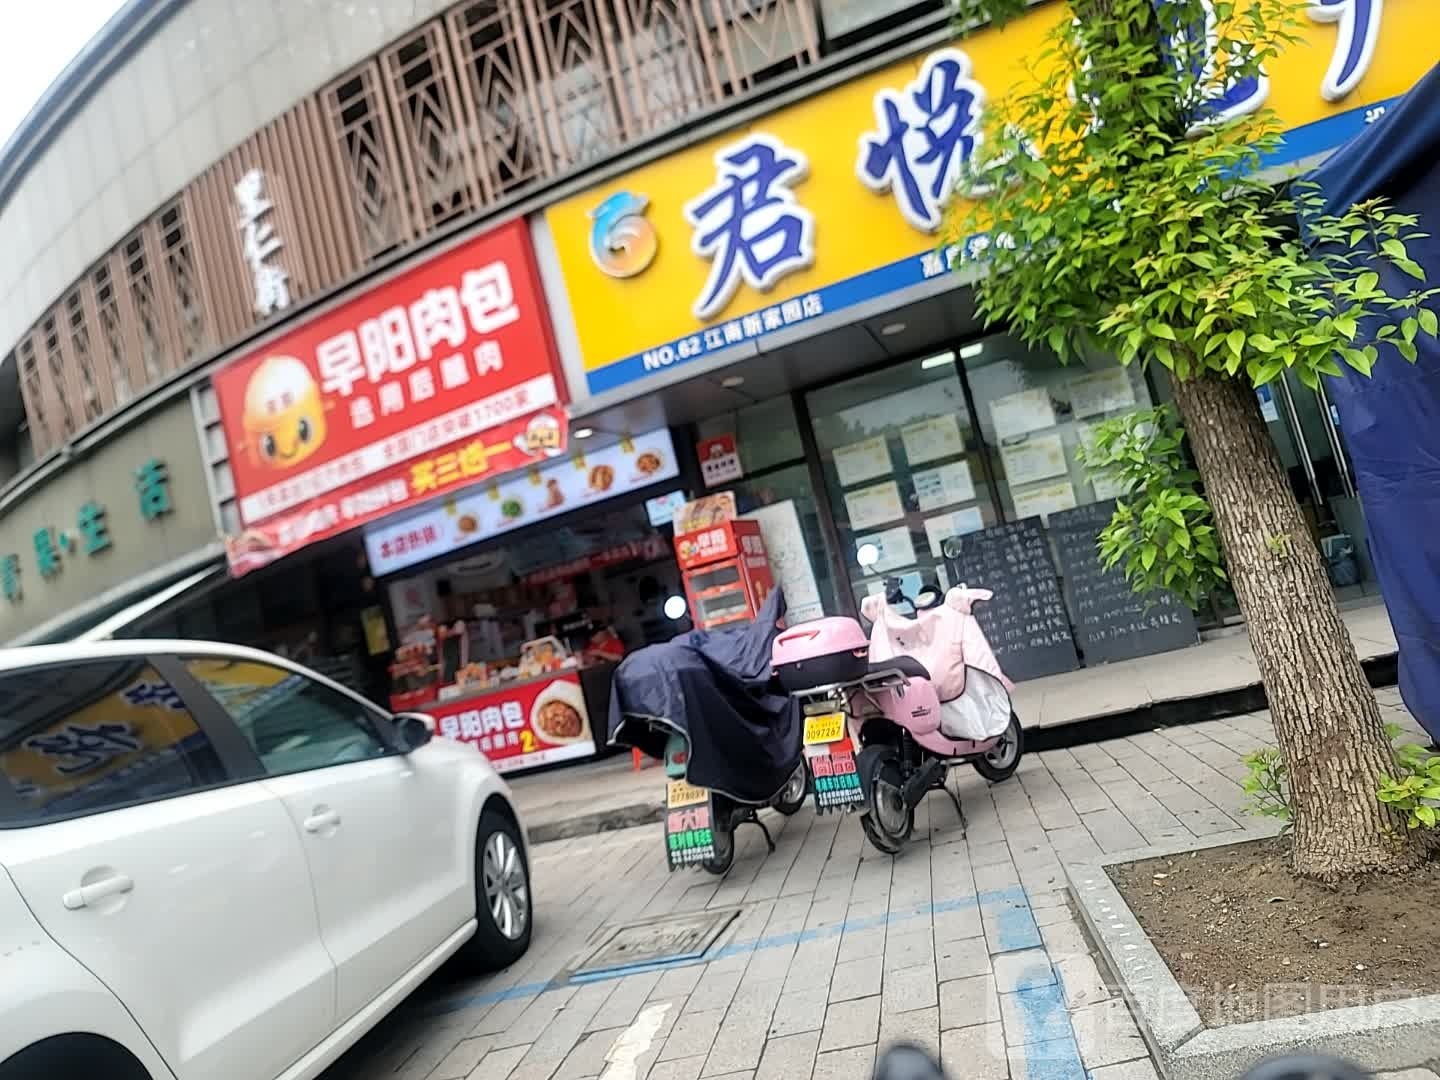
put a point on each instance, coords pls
(449, 297)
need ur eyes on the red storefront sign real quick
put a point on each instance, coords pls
(445, 375)
(519, 727)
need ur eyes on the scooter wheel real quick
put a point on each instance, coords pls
(889, 822)
(1000, 764)
(719, 864)
(792, 796)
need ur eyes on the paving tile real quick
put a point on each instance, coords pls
(1144, 1069)
(1033, 1016)
(958, 924)
(1082, 982)
(789, 1058)
(1106, 1034)
(588, 1056)
(969, 1002)
(457, 1064)
(693, 1034)
(803, 1010)
(1053, 1060)
(960, 959)
(975, 1053)
(862, 943)
(499, 1064)
(910, 988)
(851, 1023)
(856, 1063)
(919, 1027)
(1023, 970)
(856, 979)
(909, 949)
(679, 1069)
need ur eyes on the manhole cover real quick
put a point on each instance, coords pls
(672, 939)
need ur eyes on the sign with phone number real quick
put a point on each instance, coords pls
(521, 727)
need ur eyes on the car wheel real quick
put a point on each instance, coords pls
(503, 902)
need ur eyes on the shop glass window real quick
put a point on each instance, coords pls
(766, 434)
(293, 723)
(1034, 413)
(777, 491)
(903, 469)
(88, 737)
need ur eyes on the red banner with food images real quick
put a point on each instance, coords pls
(521, 726)
(444, 375)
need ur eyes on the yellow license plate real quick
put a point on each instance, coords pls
(824, 729)
(681, 793)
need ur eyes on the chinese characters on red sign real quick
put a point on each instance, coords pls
(520, 727)
(445, 374)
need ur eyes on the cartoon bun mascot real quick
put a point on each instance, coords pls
(284, 413)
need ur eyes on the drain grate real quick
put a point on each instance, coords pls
(671, 939)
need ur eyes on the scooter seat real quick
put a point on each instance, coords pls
(906, 665)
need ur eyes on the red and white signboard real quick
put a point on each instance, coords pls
(719, 460)
(443, 376)
(519, 727)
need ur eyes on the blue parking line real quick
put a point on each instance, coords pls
(1009, 908)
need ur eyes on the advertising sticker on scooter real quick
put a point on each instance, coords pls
(831, 757)
(689, 832)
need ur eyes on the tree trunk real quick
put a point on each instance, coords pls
(1326, 719)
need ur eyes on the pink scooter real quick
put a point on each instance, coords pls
(888, 715)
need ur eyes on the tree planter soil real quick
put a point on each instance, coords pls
(1249, 941)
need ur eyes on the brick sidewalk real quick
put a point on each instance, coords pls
(964, 943)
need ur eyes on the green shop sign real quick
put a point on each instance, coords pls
(90, 534)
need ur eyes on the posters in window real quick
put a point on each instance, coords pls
(1041, 502)
(1039, 457)
(862, 461)
(895, 547)
(1019, 414)
(945, 486)
(930, 440)
(1101, 392)
(873, 506)
(789, 557)
(958, 523)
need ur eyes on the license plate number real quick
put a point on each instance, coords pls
(680, 793)
(828, 728)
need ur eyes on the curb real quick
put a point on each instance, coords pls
(1387, 1036)
(620, 817)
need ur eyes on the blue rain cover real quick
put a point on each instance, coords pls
(1391, 420)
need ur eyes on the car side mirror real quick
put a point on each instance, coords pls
(414, 730)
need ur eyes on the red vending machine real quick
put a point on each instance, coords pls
(727, 576)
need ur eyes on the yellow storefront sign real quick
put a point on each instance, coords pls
(805, 212)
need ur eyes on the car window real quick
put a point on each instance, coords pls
(95, 735)
(292, 722)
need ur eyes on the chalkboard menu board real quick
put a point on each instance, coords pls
(1112, 621)
(1026, 624)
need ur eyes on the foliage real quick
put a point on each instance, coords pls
(1163, 529)
(1266, 785)
(1415, 789)
(1132, 219)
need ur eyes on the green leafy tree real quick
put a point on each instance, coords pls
(1122, 218)
(1163, 529)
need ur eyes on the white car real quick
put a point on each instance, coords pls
(217, 865)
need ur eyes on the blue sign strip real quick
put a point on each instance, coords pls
(927, 264)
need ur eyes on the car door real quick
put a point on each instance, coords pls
(381, 835)
(150, 853)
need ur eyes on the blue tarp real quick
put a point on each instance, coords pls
(1391, 420)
